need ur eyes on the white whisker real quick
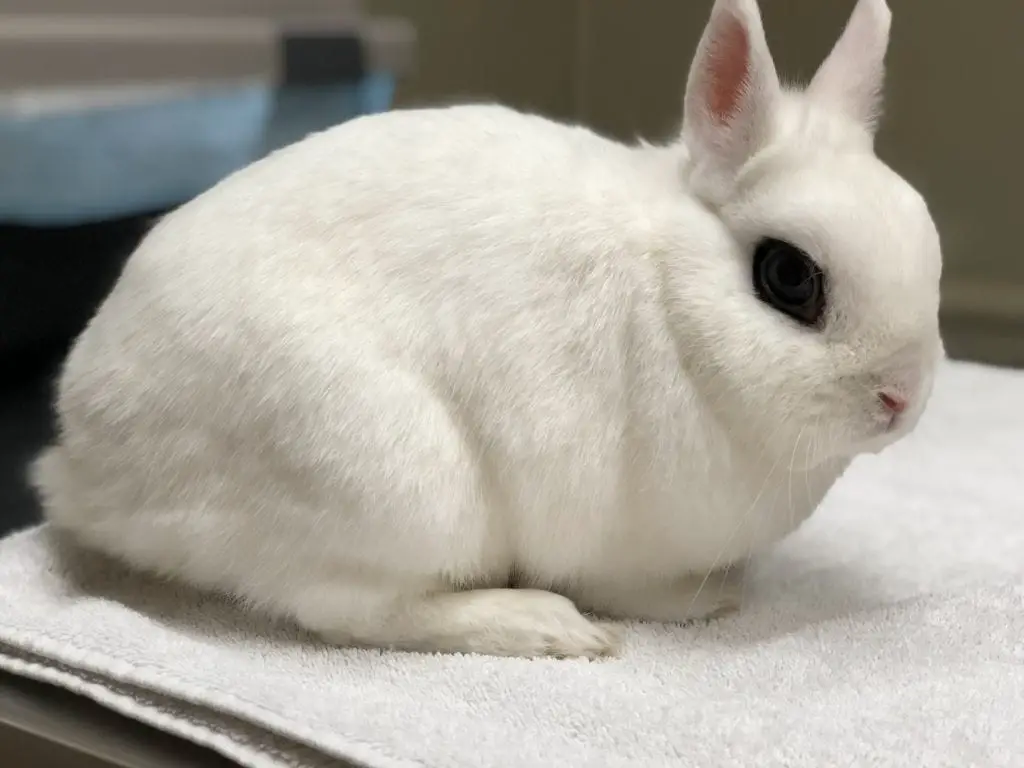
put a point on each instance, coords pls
(811, 458)
(792, 463)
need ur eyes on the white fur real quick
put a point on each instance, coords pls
(372, 379)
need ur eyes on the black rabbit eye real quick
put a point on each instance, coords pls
(788, 280)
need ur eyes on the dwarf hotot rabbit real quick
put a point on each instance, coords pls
(375, 380)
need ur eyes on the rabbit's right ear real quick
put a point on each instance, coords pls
(731, 93)
(850, 79)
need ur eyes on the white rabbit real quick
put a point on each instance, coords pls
(376, 380)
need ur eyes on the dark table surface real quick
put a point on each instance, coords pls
(52, 279)
(25, 427)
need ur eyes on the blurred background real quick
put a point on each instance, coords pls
(113, 112)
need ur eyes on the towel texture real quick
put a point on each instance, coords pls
(888, 631)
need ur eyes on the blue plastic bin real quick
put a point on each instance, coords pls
(98, 163)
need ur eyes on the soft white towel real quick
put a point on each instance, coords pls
(889, 631)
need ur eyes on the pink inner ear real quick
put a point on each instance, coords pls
(728, 68)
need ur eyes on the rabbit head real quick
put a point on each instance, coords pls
(818, 331)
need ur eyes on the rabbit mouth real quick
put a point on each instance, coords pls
(888, 430)
(855, 436)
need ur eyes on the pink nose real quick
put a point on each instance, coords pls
(893, 402)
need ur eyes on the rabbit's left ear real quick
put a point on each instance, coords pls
(851, 78)
(732, 91)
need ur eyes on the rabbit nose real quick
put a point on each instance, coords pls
(894, 403)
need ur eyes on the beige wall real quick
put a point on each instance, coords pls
(954, 122)
(520, 52)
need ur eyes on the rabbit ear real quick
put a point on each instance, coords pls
(732, 88)
(850, 79)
